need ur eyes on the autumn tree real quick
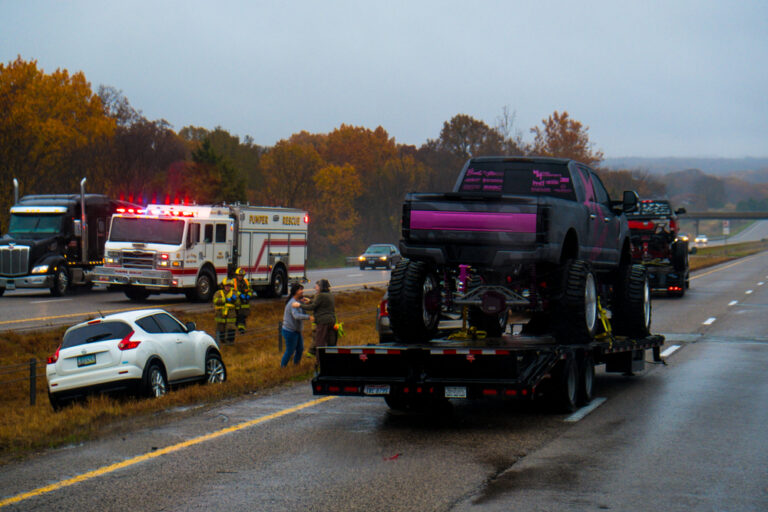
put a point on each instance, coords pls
(617, 181)
(334, 220)
(45, 120)
(289, 170)
(563, 137)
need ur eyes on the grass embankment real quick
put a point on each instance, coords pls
(253, 364)
(710, 256)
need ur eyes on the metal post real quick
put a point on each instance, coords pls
(280, 336)
(32, 381)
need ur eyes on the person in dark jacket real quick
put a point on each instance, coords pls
(324, 315)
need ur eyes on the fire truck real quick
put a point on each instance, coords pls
(189, 249)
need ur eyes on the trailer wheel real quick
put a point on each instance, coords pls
(632, 302)
(680, 256)
(586, 380)
(565, 393)
(60, 282)
(493, 325)
(414, 301)
(574, 315)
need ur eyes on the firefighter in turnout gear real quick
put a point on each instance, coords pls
(225, 302)
(244, 293)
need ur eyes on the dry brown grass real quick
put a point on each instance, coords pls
(253, 364)
(710, 256)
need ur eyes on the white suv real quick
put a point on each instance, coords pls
(146, 350)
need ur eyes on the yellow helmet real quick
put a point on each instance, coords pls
(226, 282)
(240, 271)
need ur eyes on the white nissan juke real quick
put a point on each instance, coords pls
(145, 350)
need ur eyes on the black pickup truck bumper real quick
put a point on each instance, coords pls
(489, 256)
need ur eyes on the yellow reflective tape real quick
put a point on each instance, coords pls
(158, 453)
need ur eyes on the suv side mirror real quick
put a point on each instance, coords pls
(680, 211)
(190, 326)
(629, 201)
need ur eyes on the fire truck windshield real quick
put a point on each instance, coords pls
(35, 226)
(146, 230)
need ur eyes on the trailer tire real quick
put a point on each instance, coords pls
(414, 301)
(680, 256)
(586, 380)
(493, 325)
(137, 293)
(632, 302)
(565, 393)
(61, 282)
(574, 315)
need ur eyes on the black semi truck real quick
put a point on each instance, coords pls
(55, 241)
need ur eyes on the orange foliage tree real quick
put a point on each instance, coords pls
(563, 137)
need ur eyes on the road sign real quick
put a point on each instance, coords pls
(726, 227)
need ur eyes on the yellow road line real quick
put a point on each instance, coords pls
(86, 313)
(739, 262)
(158, 453)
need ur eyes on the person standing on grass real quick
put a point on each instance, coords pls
(324, 313)
(293, 325)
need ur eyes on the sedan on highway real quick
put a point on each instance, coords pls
(701, 240)
(379, 255)
(143, 351)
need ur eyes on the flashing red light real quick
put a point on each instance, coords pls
(490, 392)
(121, 210)
(164, 256)
(130, 198)
(306, 218)
(55, 357)
(127, 343)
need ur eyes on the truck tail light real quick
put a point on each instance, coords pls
(127, 343)
(55, 357)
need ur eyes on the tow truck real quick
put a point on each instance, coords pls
(169, 248)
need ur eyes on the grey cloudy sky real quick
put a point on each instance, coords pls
(649, 78)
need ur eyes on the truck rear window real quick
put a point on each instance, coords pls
(90, 333)
(519, 178)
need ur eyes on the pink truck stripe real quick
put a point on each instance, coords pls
(474, 221)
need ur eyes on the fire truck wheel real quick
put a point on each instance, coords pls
(632, 303)
(277, 283)
(60, 282)
(204, 287)
(137, 293)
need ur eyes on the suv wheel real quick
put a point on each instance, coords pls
(414, 301)
(215, 371)
(155, 384)
(632, 302)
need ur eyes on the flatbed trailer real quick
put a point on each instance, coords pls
(512, 367)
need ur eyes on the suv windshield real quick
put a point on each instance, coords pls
(519, 178)
(90, 333)
(35, 224)
(144, 230)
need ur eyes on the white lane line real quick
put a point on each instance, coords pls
(671, 350)
(748, 292)
(733, 303)
(578, 415)
(354, 275)
(47, 300)
(709, 321)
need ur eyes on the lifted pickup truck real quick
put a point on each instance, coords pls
(657, 245)
(537, 236)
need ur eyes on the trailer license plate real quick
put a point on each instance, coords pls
(377, 389)
(455, 392)
(86, 360)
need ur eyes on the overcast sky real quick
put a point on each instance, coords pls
(649, 78)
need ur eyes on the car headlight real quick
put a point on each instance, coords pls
(383, 258)
(361, 258)
(40, 269)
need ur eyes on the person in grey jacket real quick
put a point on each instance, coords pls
(293, 325)
(324, 313)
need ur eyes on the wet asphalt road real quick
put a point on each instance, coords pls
(687, 436)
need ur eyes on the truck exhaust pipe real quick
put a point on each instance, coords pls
(84, 225)
(15, 191)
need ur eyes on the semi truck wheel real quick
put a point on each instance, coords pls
(632, 303)
(414, 301)
(574, 315)
(60, 282)
(564, 392)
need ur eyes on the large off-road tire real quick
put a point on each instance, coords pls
(414, 301)
(137, 293)
(61, 282)
(631, 303)
(573, 312)
(493, 325)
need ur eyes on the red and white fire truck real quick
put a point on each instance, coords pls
(189, 249)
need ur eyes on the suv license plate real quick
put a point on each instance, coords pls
(455, 392)
(86, 360)
(377, 389)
